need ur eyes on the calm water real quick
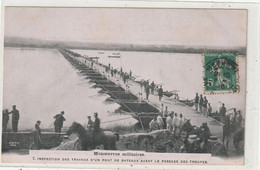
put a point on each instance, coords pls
(42, 83)
(176, 71)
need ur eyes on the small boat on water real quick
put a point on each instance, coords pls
(94, 58)
(114, 55)
(187, 102)
(168, 94)
(101, 52)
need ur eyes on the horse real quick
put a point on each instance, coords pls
(106, 138)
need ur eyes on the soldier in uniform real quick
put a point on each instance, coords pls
(160, 93)
(222, 113)
(182, 120)
(196, 102)
(96, 128)
(205, 132)
(59, 119)
(152, 86)
(5, 119)
(90, 124)
(147, 91)
(200, 103)
(36, 137)
(15, 118)
(38, 128)
(204, 106)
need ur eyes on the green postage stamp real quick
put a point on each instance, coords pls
(220, 72)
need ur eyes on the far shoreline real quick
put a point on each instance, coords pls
(201, 51)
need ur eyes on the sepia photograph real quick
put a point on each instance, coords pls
(162, 86)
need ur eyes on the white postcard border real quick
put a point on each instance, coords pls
(252, 99)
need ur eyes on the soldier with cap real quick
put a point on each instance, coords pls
(160, 93)
(222, 113)
(204, 106)
(15, 118)
(38, 128)
(152, 86)
(58, 123)
(200, 103)
(90, 124)
(182, 120)
(36, 137)
(5, 119)
(196, 101)
(205, 132)
(147, 90)
(96, 124)
(39, 133)
(96, 127)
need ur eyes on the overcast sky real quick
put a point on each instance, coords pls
(134, 26)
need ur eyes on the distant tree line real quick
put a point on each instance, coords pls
(36, 43)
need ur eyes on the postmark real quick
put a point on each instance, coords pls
(221, 73)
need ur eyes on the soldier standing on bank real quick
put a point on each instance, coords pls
(38, 128)
(5, 119)
(15, 118)
(38, 138)
(59, 119)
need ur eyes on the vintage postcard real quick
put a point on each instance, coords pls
(124, 86)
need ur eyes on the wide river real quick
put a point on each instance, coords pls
(42, 83)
